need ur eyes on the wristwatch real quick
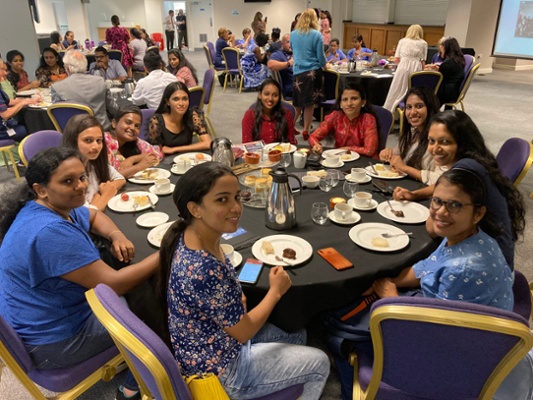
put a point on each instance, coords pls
(288, 64)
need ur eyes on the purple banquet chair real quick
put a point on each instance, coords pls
(515, 158)
(438, 349)
(61, 113)
(196, 97)
(522, 296)
(6, 145)
(385, 125)
(209, 88)
(232, 58)
(331, 90)
(469, 77)
(149, 359)
(36, 142)
(146, 115)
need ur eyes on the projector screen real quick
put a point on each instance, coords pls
(514, 33)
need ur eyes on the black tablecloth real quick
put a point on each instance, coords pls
(376, 88)
(316, 285)
(36, 119)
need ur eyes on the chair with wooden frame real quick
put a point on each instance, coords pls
(61, 113)
(232, 58)
(36, 142)
(115, 55)
(6, 145)
(515, 158)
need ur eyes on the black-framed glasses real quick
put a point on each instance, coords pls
(452, 206)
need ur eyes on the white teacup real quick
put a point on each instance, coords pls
(182, 166)
(358, 174)
(332, 160)
(299, 159)
(362, 199)
(162, 185)
(229, 252)
(342, 211)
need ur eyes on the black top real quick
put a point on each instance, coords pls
(452, 78)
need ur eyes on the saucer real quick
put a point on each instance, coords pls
(154, 191)
(325, 164)
(372, 206)
(354, 218)
(366, 179)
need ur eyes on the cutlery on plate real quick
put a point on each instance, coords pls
(397, 213)
(290, 263)
(373, 169)
(152, 205)
(135, 206)
(391, 235)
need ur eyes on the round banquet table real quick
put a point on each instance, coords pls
(376, 87)
(316, 286)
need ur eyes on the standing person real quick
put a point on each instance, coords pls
(170, 26)
(308, 51)
(281, 60)
(293, 23)
(17, 75)
(181, 67)
(410, 56)
(119, 39)
(209, 325)
(69, 43)
(181, 20)
(325, 27)
(51, 68)
(259, 24)
(138, 46)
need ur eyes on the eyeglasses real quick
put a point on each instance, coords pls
(99, 57)
(452, 206)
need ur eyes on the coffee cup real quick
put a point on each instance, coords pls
(362, 199)
(228, 252)
(342, 211)
(162, 185)
(182, 166)
(332, 160)
(299, 159)
(358, 174)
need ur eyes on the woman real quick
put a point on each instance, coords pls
(308, 53)
(359, 51)
(325, 27)
(258, 24)
(125, 151)
(411, 156)
(225, 39)
(268, 120)
(51, 68)
(209, 325)
(438, 57)
(138, 47)
(17, 75)
(174, 123)
(85, 134)
(410, 55)
(119, 38)
(181, 67)
(45, 276)
(452, 70)
(457, 137)
(293, 23)
(334, 54)
(353, 124)
(69, 42)
(275, 42)
(246, 40)
(253, 63)
(146, 37)
(55, 41)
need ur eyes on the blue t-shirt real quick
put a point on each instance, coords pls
(204, 297)
(286, 73)
(219, 45)
(340, 56)
(365, 54)
(308, 51)
(38, 248)
(473, 270)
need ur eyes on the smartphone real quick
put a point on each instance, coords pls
(250, 271)
(336, 259)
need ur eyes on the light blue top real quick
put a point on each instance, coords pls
(365, 54)
(339, 53)
(308, 51)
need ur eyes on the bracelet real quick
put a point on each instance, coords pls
(109, 236)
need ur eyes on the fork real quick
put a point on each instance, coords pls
(388, 235)
(397, 213)
(373, 169)
(278, 258)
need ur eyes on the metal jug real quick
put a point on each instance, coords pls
(222, 152)
(129, 86)
(280, 213)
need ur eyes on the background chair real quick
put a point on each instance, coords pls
(464, 87)
(233, 66)
(431, 348)
(522, 296)
(209, 88)
(6, 145)
(515, 158)
(115, 55)
(386, 121)
(277, 77)
(147, 114)
(60, 113)
(196, 97)
(331, 88)
(71, 382)
(36, 142)
(149, 359)
(158, 39)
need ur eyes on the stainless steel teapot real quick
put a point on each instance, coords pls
(280, 213)
(129, 86)
(222, 152)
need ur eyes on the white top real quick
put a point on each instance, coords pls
(92, 189)
(149, 89)
(139, 50)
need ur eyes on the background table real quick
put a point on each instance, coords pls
(376, 87)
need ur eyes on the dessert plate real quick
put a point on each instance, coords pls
(302, 247)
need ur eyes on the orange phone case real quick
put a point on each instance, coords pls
(336, 259)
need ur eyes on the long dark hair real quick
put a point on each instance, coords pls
(183, 63)
(367, 108)
(128, 149)
(54, 37)
(43, 64)
(76, 125)
(409, 135)
(359, 38)
(470, 144)
(13, 76)
(135, 33)
(278, 115)
(453, 50)
(14, 195)
(193, 187)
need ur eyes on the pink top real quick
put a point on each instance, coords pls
(268, 128)
(325, 29)
(114, 156)
(360, 134)
(185, 76)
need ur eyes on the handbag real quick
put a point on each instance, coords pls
(206, 387)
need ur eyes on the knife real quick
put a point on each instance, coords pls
(152, 205)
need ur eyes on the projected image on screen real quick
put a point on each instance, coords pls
(524, 23)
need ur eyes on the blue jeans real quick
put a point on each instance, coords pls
(273, 360)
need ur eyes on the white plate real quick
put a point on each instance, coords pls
(162, 173)
(366, 179)
(373, 205)
(269, 146)
(151, 219)
(414, 213)
(354, 155)
(29, 92)
(237, 259)
(192, 157)
(354, 218)
(117, 204)
(339, 165)
(176, 172)
(363, 234)
(116, 90)
(303, 249)
(155, 191)
(42, 104)
(155, 236)
(370, 172)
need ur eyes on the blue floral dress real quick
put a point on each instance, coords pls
(254, 72)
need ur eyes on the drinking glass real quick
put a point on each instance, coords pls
(349, 188)
(325, 183)
(319, 213)
(334, 174)
(285, 159)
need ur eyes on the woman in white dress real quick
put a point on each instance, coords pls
(410, 56)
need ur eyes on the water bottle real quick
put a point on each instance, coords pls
(375, 57)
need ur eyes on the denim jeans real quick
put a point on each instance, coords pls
(273, 360)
